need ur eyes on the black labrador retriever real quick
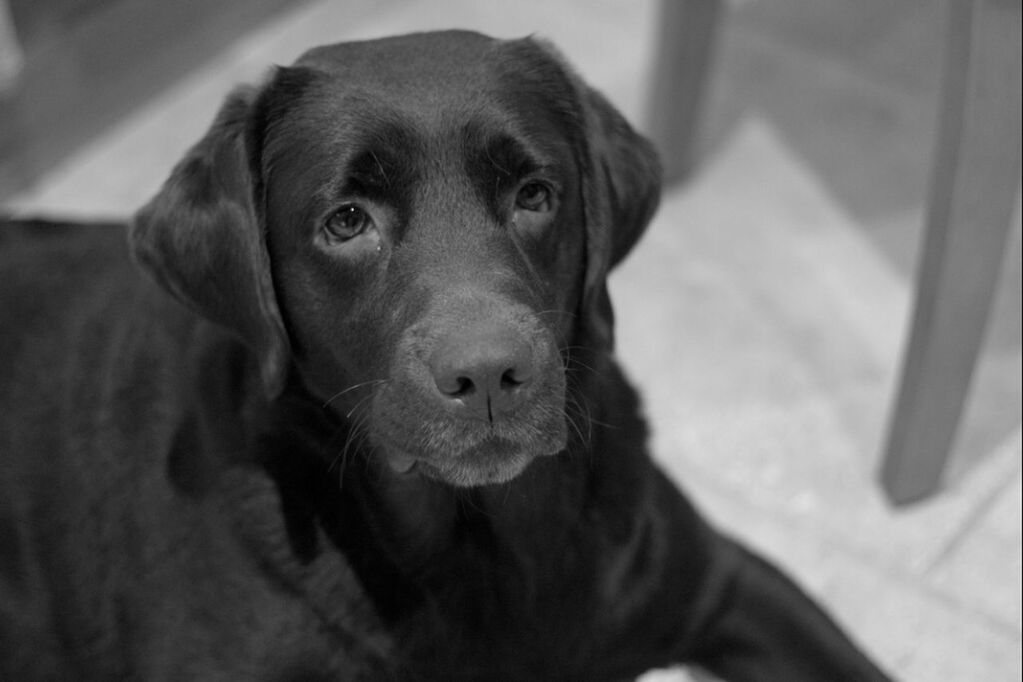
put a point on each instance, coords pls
(361, 420)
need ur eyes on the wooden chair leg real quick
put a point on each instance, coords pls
(976, 176)
(682, 65)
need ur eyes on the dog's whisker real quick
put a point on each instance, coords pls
(581, 412)
(584, 439)
(591, 421)
(357, 406)
(572, 359)
(380, 167)
(357, 429)
(372, 382)
(361, 423)
(557, 312)
(355, 426)
(363, 435)
(342, 459)
(573, 363)
(576, 374)
(467, 500)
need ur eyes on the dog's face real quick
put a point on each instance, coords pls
(438, 214)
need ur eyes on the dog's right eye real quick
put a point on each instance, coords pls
(347, 222)
(534, 196)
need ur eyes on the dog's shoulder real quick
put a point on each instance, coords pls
(66, 290)
(48, 264)
(96, 361)
(120, 409)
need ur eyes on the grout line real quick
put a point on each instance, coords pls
(971, 521)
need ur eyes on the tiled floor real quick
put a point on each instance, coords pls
(764, 312)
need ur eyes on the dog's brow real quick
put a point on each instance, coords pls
(510, 157)
(380, 164)
(497, 157)
(373, 171)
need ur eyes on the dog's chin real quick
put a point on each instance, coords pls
(488, 464)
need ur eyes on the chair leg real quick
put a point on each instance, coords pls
(685, 44)
(972, 193)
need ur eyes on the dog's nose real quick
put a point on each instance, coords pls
(484, 371)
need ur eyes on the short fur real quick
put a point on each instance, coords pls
(357, 416)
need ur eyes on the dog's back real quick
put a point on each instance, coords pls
(56, 278)
(49, 280)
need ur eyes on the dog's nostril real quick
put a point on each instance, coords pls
(455, 386)
(511, 379)
(464, 386)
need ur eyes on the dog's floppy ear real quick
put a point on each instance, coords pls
(201, 237)
(621, 182)
(621, 191)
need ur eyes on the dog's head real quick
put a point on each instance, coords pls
(420, 228)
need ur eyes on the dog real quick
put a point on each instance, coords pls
(340, 403)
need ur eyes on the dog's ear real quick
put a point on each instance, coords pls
(202, 239)
(621, 191)
(627, 178)
(621, 176)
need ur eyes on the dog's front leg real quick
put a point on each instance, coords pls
(748, 622)
(763, 627)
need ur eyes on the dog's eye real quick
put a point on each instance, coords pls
(534, 196)
(347, 222)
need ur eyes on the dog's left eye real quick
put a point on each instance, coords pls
(534, 196)
(347, 222)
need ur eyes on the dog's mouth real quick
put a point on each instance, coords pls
(495, 460)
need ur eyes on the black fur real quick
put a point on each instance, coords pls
(360, 417)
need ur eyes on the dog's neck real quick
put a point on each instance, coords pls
(412, 515)
(406, 535)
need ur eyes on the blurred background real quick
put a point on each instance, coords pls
(765, 313)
